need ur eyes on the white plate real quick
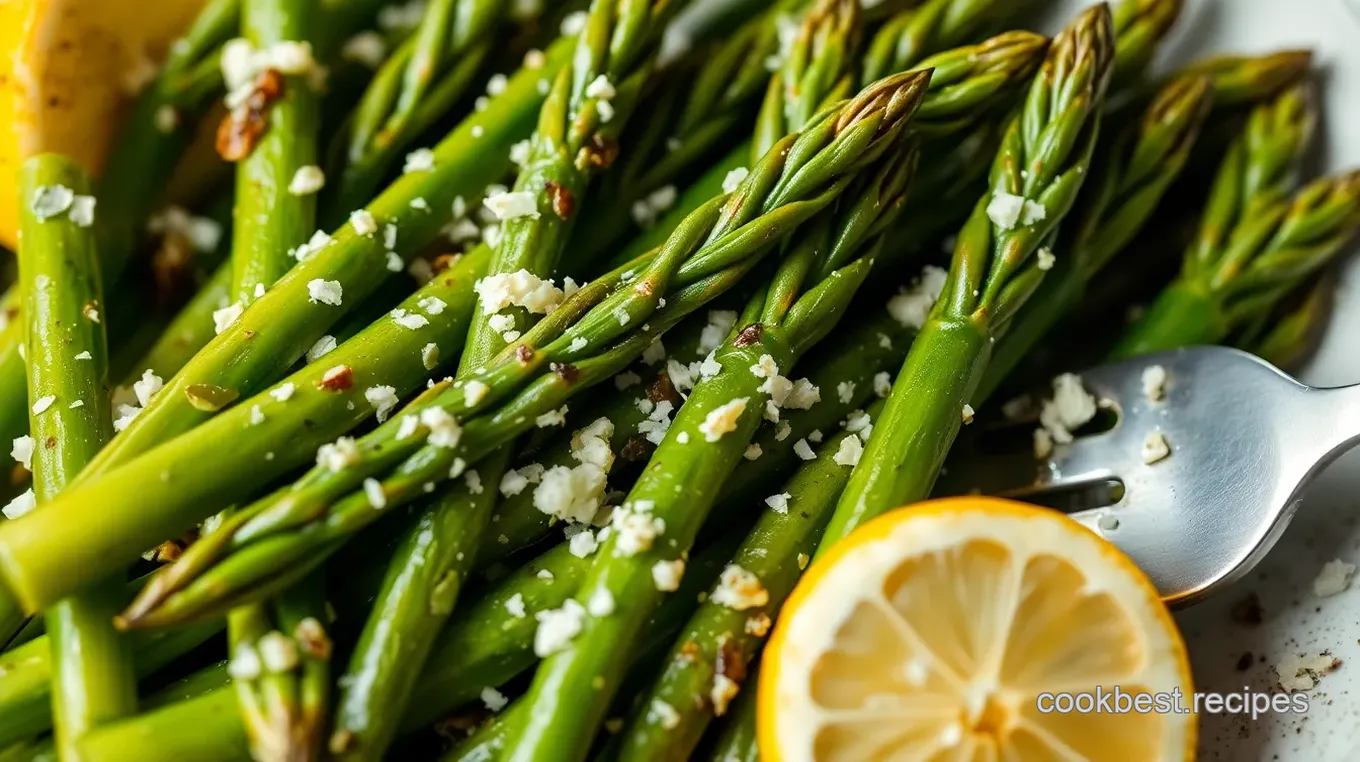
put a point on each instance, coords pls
(1328, 524)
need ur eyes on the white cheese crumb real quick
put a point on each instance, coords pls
(493, 699)
(444, 430)
(393, 262)
(1045, 259)
(22, 451)
(724, 690)
(739, 589)
(319, 240)
(1070, 408)
(419, 160)
(544, 574)
(967, 414)
(663, 714)
(147, 387)
(82, 211)
(338, 455)
(804, 394)
(845, 391)
(256, 415)
(1155, 448)
(1301, 673)
(1154, 383)
(720, 323)
(882, 384)
(325, 292)
(723, 419)
(666, 575)
(83, 355)
(473, 480)
(245, 663)
(782, 431)
(50, 200)
(779, 503)
(1034, 212)
(284, 392)
(734, 179)
(368, 48)
(321, 348)
(636, 527)
(600, 603)
(225, 317)
(43, 403)
(583, 543)
(753, 452)
(383, 399)
(850, 451)
(374, 492)
(20, 505)
(912, 306)
(307, 181)
(556, 417)
(654, 353)
(803, 450)
(557, 627)
(515, 605)
(363, 222)
(408, 426)
(518, 289)
(513, 206)
(1043, 444)
(429, 355)
(1004, 209)
(1334, 578)
(411, 321)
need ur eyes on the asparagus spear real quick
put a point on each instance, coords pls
(280, 656)
(1035, 180)
(590, 102)
(417, 83)
(280, 326)
(1240, 80)
(970, 82)
(1265, 256)
(590, 337)
(699, 118)
(275, 147)
(1139, 27)
(800, 305)
(1130, 177)
(1289, 334)
(935, 25)
(1259, 172)
(68, 388)
(109, 520)
(708, 662)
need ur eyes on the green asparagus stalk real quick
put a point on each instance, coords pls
(271, 434)
(719, 105)
(589, 338)
(275, 194)
(935, 25)
(280, 656)
(1271, 252)
(1259, 172)
(708, 663)
(655, 637)
(1241, 80)
(420, 81)
(1129, 179)
(68, 396)
(591, 101)
(280, 326)
(26, 690)
(1289, 334)
(801, 304)
(969, 83)
(1139, 27)
(1035, 179)
(737, 740)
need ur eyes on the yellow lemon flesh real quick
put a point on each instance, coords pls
(68, 69)
(940, 632)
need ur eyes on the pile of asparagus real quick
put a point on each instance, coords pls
(546, 347)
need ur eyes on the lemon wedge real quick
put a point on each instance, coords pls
(68, 69)
(959, 630)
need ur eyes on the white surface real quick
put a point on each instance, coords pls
(1328, 524)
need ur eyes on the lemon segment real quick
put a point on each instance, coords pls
(68, 69)
(932, 632)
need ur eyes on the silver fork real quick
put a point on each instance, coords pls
(1245, 441)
